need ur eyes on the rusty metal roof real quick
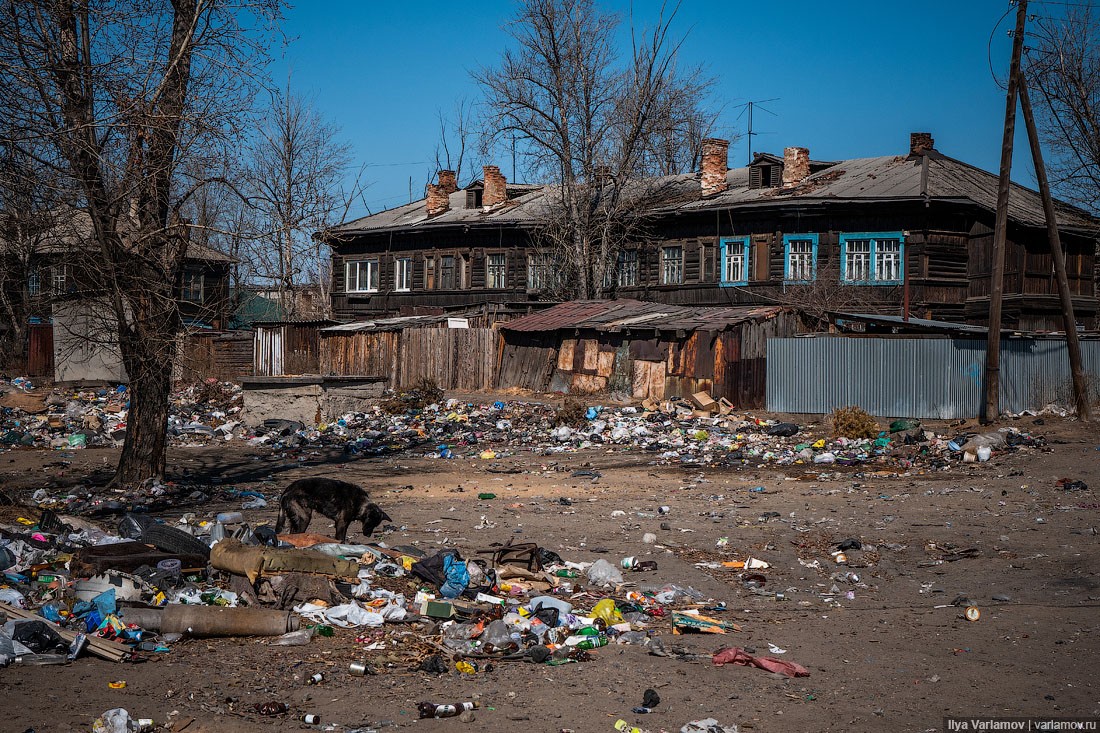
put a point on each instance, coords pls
(933, 177)
(620, 315)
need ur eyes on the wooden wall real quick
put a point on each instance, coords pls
(729, 363)
(225, 355)
(462, 359)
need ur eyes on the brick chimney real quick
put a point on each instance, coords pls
(447, 181)
(920, 143)
(715, 164)
(796, 166)
(437, 200)
(495, 187)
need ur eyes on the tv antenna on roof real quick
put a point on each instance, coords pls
(749, 106)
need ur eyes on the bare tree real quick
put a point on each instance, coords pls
(298, 163)
(124, 94)
(456, 134)
(28, 214)
(594, 126)
(1063, 65)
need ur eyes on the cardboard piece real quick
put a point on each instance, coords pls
(704, 401)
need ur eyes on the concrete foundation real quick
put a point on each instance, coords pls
(309, 400)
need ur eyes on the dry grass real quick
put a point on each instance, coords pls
(571, 413)
(853, 422)
(423, 393)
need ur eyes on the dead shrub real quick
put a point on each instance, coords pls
(425, 391)
(854, 423)
(571, 413)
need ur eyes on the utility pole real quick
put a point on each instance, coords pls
(1080, 386)
(991, 408)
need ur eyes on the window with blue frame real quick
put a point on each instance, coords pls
(872, 258)
(799, 258)
(734, 259)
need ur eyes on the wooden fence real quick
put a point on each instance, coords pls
(456, 358)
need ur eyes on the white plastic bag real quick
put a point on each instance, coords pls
(603, 573)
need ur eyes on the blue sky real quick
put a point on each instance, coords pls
(848, 79)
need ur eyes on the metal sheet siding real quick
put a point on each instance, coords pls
(927, 378)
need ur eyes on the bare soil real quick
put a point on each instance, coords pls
(896, 656)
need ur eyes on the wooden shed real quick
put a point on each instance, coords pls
(644, 350)
(287, 347)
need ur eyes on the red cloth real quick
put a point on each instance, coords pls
(737, 655)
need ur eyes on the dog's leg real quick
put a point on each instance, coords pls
(342, 523)
(298, 516)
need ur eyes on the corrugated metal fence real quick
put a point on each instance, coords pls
(929, 378)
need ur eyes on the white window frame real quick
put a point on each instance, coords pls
(539, 270)
(402, 274)
(58, 275)
(800, 258)
(879, 260)
(34, 283)
(626, 269)
(672, 268)
(496, 270)
(352, 283)
(735, 261)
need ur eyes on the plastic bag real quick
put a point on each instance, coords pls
(602, 573)
(116, 720)
(457, 577)
(606, 611)
(12, 597)
(498, 637)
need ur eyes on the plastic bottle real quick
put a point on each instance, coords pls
(588, 642)
(566, 573)
(229, 518)
(40, 660)
(434, 710)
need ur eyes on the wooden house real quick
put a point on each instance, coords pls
(908, 234)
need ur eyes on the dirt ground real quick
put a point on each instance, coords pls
(895, 655)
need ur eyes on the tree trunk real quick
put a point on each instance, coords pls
(147, 346)
(143, 453)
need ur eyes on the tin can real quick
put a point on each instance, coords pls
(311, 718)
(358, 669)
(973, 613)
(664, 510)
(628, 562)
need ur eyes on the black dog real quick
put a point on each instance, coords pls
(340, 501)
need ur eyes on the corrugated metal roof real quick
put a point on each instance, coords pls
(914, 324)
(883, 178)
(624, 314)
(385, 324)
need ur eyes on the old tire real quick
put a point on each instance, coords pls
(175, 541)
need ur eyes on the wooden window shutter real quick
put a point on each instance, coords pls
(761, 255)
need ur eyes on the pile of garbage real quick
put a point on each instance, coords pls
(699, 431)
(71, 588)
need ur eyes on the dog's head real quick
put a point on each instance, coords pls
(372, 517)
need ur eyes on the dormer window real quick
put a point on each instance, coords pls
(473, 198)
(765, 175)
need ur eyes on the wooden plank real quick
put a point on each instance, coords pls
(565, 354)
(605, 362)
